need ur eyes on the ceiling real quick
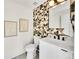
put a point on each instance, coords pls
(29, 3)
(38, 2)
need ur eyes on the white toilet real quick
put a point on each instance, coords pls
(31, 49)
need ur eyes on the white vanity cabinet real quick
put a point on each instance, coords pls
(50, 51)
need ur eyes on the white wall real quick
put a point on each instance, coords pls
(14, 46)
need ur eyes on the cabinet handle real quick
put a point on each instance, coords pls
(64, 50)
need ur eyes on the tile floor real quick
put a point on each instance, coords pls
(23, 56)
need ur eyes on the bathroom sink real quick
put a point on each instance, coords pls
(68, 45)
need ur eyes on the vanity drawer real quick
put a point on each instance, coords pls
(50, 51)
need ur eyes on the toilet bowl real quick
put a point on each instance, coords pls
(31, 49)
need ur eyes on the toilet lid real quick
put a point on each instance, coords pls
(31, 47)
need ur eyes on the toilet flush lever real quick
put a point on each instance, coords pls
(64, 50)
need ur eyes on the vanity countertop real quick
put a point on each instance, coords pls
(64, 44)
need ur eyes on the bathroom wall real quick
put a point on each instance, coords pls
(14, 46)
(41, 20)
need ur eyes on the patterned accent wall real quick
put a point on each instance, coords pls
(72, 6)
(40, 20)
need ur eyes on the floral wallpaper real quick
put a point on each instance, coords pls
(40, 20)
(73, 14)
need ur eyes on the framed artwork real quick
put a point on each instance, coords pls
(10, 28)
(23, 25)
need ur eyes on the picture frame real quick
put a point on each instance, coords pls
(10, 28)
(23, 25)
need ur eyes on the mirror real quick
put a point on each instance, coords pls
(59, 17)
